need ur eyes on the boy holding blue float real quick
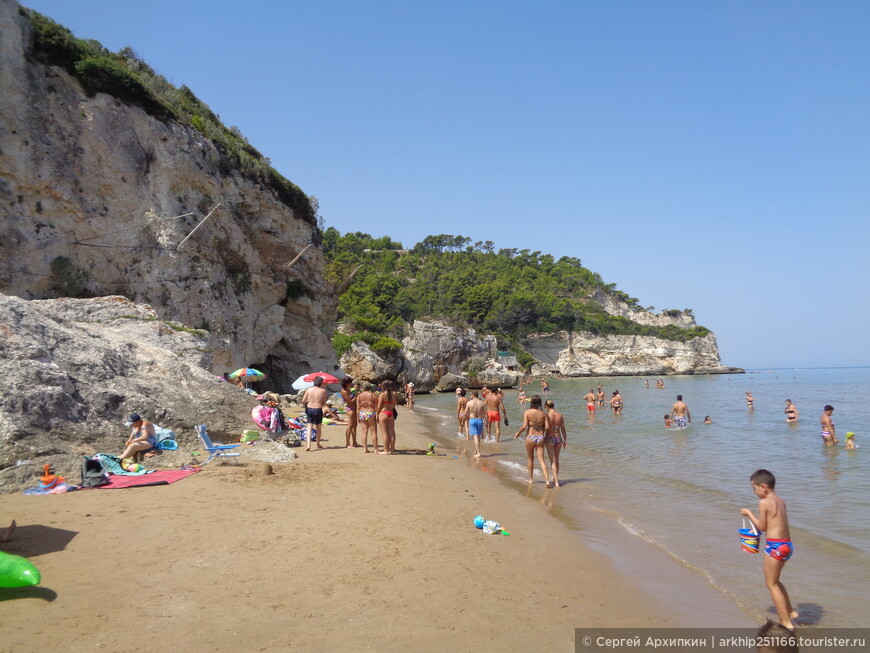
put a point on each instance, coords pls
(773, 521)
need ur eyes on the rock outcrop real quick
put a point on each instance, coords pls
(75, 368)
(584, 354)
(618, 307)
(96, 197)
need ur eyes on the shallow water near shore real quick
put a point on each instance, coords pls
(638, 491)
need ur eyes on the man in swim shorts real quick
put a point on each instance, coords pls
(494, 409)
(476, 411)
(314, 400)
(590, 401)
(680, 415)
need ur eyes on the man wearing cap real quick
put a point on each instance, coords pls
(141, 436)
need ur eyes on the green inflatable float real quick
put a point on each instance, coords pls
(16, 571)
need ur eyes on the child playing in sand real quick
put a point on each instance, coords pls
(773, 521)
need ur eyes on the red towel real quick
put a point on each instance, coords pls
(160, 477)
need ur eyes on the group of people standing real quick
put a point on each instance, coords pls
(365, 408)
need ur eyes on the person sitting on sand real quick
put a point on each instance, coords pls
(6, 533)
(536, 422)
(141, 437)
(329, 411)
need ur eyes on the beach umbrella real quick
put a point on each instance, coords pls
(247, 374)
(307, 380)
(327, 378)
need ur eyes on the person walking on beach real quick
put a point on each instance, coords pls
(590, 401)
(476, 410)
(462, 413)
(409, 395)
(349, 398)
(772, 520)
(366, 410)
(494, 409)
(829, 436)
(791, 411)
(387, 401)
(314, 400)
(536, 423)
(556, 439)
(680, 415)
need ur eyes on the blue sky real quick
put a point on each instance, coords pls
(709, 155)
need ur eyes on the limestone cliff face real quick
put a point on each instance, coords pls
(585, 354)
(96, 197)
(615, 306)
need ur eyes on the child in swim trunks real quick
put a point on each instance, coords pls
(773, 521)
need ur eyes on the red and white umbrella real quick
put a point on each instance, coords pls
(307, 380)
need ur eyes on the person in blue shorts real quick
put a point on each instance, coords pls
(476, 411)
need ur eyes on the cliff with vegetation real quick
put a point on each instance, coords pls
(558, 316)
(107, 176)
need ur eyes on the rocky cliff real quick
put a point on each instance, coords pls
(585, 354)
(97, 196)
(74, 370)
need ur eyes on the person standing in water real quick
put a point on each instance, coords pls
(829, 435)
(680, 415)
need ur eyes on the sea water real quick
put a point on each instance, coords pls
(680, 490)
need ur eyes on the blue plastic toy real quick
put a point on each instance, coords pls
(478, 521)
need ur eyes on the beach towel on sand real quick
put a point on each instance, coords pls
(112, 464)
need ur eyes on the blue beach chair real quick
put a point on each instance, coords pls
(214, 450)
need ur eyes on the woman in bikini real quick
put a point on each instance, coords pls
(557, 438)
(462, 412)
(387, 401)
(536, 422)
(349, 399)
(366, 402)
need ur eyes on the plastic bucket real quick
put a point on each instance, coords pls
(749, 538)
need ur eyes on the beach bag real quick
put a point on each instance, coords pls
(93, 474)
(164, 438)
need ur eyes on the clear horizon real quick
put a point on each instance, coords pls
(711, 156)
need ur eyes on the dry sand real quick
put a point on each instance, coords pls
(334, 551)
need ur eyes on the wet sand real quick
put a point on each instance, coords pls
(335, 551)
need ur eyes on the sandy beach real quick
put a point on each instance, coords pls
(334, 551)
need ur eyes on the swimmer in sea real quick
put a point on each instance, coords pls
(536, 422)
(791, 411)
(750, 401)
(680, 415)
(590, 401)
(850, 440)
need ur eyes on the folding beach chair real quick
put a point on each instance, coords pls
(214, 450)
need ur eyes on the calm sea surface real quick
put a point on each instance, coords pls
(681, 490)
